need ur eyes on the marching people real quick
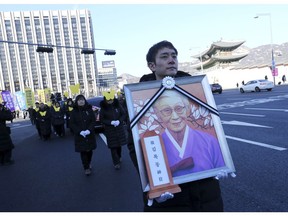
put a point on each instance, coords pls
(17, 113)
(31, 117)
(35, 119)
(82, 122)
(43, 117)
(201, 195)
(68, 110)
(25, 113)
(112, 115)
(6, 144)
(122, 101)
(57, 119)
(13, 115)
(284, 79)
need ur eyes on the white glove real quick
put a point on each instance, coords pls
(82, 133)
(87, 132)
(117, 122)
(165, 196)
(224, 174)
(113, 123)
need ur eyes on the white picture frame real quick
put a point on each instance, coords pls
(140, 98)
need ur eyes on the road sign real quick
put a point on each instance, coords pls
(275, 72)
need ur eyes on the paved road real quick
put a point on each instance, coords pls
(255, 125)
(48, 176)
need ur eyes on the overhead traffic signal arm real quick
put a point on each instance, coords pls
(44, 49)
(92, 51)
(87, 51)
(48, 48)
(110, 52)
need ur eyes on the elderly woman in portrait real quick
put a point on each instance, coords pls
(188, 150)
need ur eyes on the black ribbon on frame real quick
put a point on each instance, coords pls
(157, 95)
(197, 100)
(147, 106)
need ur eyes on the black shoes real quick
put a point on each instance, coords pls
(88, 171)
(8, 163)
(117, 166)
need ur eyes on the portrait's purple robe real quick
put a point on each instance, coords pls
(202, 147)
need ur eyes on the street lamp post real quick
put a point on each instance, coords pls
(271, 41)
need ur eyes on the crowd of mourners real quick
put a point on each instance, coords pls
(202, 195)
(51, 119)
(78, 118)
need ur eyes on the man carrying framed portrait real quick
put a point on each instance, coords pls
(195, 156)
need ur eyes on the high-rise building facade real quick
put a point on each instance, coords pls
(107, 79)
(22, 67)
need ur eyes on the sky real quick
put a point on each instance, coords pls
(131, 29)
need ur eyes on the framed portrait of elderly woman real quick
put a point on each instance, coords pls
(183, 113)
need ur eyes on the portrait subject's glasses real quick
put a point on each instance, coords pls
(168, 111)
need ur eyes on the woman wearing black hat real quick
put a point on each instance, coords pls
(82, 122)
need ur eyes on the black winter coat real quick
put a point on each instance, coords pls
(116, 136)
(81, 119)
(68, 111)
(57, 117)
(5, 139)
(44, 120)
(196, 196)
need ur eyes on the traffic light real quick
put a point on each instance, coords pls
(87, 51)
(110, 52)
(44, 49)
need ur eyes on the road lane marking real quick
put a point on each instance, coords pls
(15, 127)
(103, 137)
(281, 110)
(257, 143)
(242, 114)
(244, 98)
(251, 102)
(243, 124)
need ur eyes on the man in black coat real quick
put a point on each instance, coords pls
(6, 144)
(197, 196)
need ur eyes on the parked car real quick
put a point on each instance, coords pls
(216, 87)
(95, 102)
(257, 86)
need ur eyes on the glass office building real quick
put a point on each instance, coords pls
(22, 67)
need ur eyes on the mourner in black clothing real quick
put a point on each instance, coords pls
(57, 119)
(112, 115)
(43, 117)
(82, 122)
(197, 196)
(6, 144)
(68, 110)
(35, 119)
